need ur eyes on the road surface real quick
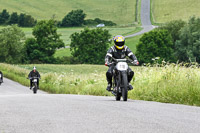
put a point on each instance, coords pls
(21, 111)
(145, 19)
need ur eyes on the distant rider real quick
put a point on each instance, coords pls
(119, 51)
(1, 76)
(34, 73)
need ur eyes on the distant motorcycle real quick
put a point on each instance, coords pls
(120, 78)
(1, 79)
(34, 84)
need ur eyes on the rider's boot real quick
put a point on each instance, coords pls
(109, 87)
(30, 86)
(130, 87)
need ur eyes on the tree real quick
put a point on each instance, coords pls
(187, 49)
(4, 16)
(46, 41)
(174, 27)
(11, 44)
(157, 43)
(90, 46)
(21, 19)
(73, 18)
(13, 18)
(26, 20)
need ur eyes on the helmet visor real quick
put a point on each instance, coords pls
(119, 43)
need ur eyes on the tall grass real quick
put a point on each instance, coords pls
(170, 84)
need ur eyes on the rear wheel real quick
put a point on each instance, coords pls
(125, 87)
(35, 88)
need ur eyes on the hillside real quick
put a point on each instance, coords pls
(167, 10)
(118, 11)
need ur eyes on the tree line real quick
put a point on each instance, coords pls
(15, 48)
(23, 20)
(75, 18)
(172, 42)
(88, 47)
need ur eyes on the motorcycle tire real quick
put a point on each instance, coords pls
(125, 87)
(118, 95)
(35, 88)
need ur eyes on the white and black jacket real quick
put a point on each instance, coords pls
(119, 54)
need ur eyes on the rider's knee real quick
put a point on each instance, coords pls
(109, 74)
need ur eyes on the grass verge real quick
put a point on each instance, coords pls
(170, 84)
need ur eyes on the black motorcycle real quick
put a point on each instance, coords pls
(1, 76)
(120, 78)
(34, 84)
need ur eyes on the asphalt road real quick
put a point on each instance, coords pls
(145, 19)
(21, 111)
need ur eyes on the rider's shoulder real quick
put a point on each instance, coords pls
(111, 49)
(126, 48)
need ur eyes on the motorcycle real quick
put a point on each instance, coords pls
(1, 79)
(34, 84)
(120, 79)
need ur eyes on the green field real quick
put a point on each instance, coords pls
(167, 10)
(171, 83)
(130, 42)
(62, 52)
(118, 11)
(66, 32)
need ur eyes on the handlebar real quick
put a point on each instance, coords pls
(33, 77)
(123, 60)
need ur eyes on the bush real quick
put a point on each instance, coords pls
(98, 21)
(11, 44)
(174, 27)
(90, 46)
(157, 43)
(187, 49)
(74, 18)
(46, 41)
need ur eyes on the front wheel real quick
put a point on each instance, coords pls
(35, 88)
(125, 87)
(118, 94)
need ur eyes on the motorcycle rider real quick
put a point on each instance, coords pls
(34, 73)
(119, 51)
(1, 76)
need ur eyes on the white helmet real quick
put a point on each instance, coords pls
(34, 68)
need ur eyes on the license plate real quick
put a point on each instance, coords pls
(35, 80)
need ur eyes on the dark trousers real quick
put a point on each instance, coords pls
(109, 74)
(32, 83)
